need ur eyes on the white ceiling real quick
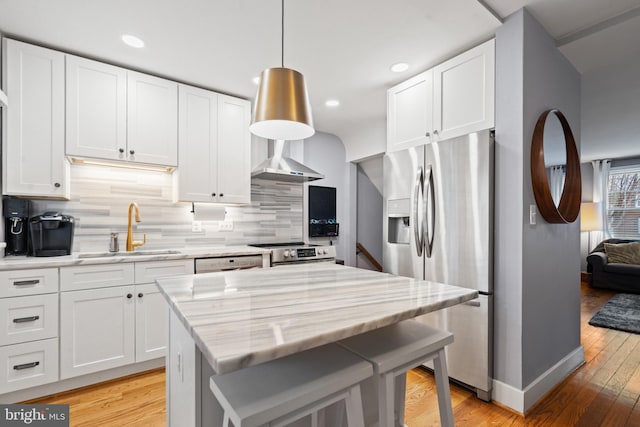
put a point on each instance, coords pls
(344, 48)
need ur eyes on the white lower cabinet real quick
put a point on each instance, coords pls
(96, 330)
(28, 364)
(113, 314)
(151, 329)
(28, 328)
(28, 318)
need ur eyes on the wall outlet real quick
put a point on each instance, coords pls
(196, 226)
(532, 214)
(225, 226)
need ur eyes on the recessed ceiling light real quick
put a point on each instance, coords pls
(399, 67)
(132, 41)
(332, 103)
(256, 80)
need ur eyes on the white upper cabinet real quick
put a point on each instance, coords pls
(234, 150)
(464, 89)
(214, 144)
(410, 112)
(152, 114)
(118, 114)
(96, 109)
(453, 99)
(33, 142)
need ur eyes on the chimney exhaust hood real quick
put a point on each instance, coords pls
(280, 168)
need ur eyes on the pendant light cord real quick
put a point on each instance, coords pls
(282, 36)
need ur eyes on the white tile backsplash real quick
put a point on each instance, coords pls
(100, 197)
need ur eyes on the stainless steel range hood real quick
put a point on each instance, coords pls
(280, 168)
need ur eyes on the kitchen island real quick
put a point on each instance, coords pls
(221, 322)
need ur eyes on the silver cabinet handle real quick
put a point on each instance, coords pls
(26, 319)
(417, 191)
(25, 366)
(26, 282)
(430, 217)
(435, 132)
(428, 134)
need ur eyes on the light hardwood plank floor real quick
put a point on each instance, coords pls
(605, 391)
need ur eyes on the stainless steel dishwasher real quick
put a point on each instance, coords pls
(227, 263)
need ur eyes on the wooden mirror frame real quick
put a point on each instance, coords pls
(569, 207)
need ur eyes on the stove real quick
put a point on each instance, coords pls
(298, 252)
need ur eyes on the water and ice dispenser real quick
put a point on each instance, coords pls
(398, 225)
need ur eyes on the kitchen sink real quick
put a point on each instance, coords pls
(134, 253)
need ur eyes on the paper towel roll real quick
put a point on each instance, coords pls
(208, 212)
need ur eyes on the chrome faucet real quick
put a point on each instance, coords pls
(131, 244)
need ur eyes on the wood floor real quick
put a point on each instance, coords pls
(603, 392)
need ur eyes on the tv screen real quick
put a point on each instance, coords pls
(322, 211)
(322, 205)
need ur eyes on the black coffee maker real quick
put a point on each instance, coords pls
(51, 234)
(16, 225)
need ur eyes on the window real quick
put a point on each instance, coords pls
(623, 203)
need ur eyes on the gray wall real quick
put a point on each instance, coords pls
(325, 153)
(369, 218)
(537, 303)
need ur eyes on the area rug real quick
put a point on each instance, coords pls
(622, 312)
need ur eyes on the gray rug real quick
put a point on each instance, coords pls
(622, 312)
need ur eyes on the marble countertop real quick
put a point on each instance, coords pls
(141, 254)
(243, 318)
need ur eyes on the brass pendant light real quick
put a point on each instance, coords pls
(282, 110)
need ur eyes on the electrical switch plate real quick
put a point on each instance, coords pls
(196, 226)
(532, 214)
(225, 226)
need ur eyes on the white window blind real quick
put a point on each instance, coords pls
(623, 202)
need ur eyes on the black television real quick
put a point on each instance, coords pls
(322, 212)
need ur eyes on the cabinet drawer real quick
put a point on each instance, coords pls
(17, 283)
(95, 276)
(148, 272)
(28, 365)
(28, 318)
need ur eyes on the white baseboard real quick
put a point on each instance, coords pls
(522, 400)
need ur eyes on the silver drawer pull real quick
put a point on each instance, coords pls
(25, 366)
(26, 282)
(472, 303)
(26, 319)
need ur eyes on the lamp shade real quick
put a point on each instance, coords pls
(591, 216)
(282, 109)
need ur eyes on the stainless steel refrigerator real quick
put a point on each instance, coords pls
(438, 226)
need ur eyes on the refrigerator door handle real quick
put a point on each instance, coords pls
(418, 190)
(429, 216)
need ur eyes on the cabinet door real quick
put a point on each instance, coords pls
(410, 112)
(28, 364)
(198, 134)
(234, 150)
(151, 323)
(28, 318)
(152, 120)
(96, 109)
(96, 330)
(464, 92)
(33, 147)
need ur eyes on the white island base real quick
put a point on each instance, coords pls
(222, 322)
(190, 402)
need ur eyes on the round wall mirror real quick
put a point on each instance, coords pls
(555, 169)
